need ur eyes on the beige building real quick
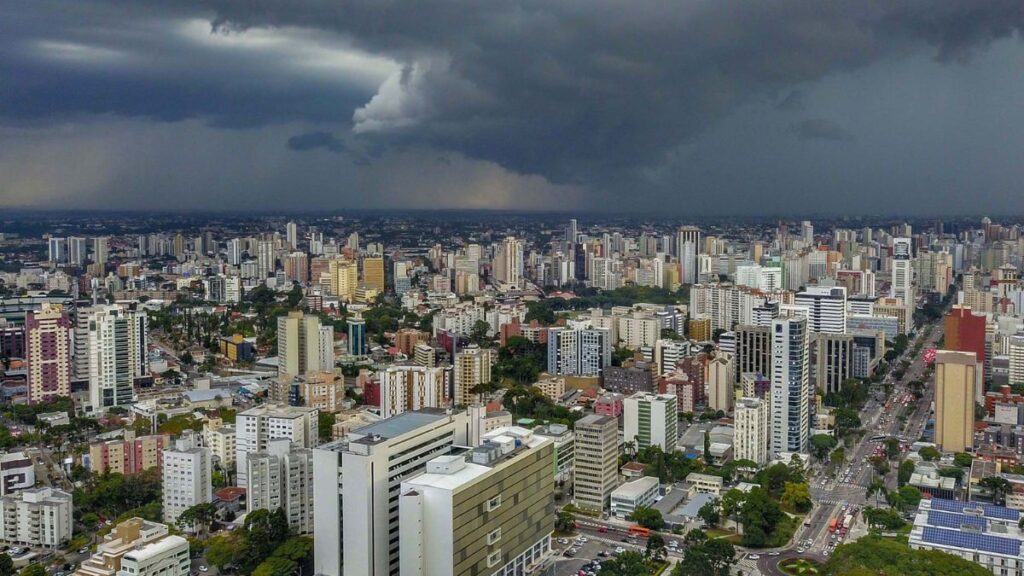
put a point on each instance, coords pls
(721, 381)
(303, 345)
(553, 387)
(321, 390)
(488, 511)
(472, 366)
(129, 455)
(220, 439)
(148, 544)
(750, 440)
(344, 278)
(425, 355)
(373, 272)
(955, 373)
(596, 472)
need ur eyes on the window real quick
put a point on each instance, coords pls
(494, 503)
(494, 536)
(493, 558)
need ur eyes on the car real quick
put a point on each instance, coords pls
(602, 529)
(801, 550)
(619, 550)
(603, 553)
(570, 553)
(83, 550)
(826, 553)
(773, 553)
(754, 557)
(203, 568)
(563, 541)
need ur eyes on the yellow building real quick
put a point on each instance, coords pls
(236, 349)
(955, 373)
(344, 278)
(365, 294)
(699, 329)
(373, 272)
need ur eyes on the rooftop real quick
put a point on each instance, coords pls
(402, 423)
(636, 488)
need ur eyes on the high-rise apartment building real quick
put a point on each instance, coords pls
(508, 261)
(296, 267)
(411, 387)
(266, 259)
(721, 381)
(471, 368)
(578, 351)
(58, 250)
(903, 274)
(36, 517)
(282, 477)
(303, 344)
(100, 249)
(750, 440)
(955, 377)
(826, 308)
(791, 390)
(651, 420)
(489, 511)
(48, 353)
(235, 251)
(256, 427)
(357, 486)
(753, 350)
(1016, 354)
(291, 235)
(187, 476)
(116, 337)
(128, 455)
(373, 272)
(77, 251)
(596, 473)
(687, 247)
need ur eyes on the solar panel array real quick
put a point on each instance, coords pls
(951, 520)
(990, 510)
(971, 541)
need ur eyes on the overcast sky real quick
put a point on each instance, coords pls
(680, 106)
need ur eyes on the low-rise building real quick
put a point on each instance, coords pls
(642, 492)
(129, 454)
(136, 536)
(36, 517)
(552, 387)
(985, 534)
(705, 483)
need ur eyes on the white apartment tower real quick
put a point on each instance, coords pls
(282, 477)
(750, 441)
(187, 476)
(256, 427)
(790, 391)
(826, 308)
(596, 472)
(651, 420)
(116, 337)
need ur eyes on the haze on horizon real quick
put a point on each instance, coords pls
(694, 107)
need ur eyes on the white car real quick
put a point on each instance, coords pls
(203, 568)
(754, 557)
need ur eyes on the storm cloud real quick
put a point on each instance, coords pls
(612, 98)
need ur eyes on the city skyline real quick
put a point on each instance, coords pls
(695, 109)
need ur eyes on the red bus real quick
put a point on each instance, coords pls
(832, 524)
(638, 530)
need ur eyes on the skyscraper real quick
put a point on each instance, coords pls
(266, 259)
(373, 272)
(472, 367)
(117, 353)
(597, 461)
(826, 308)
(955, 377)
(357, 344)
(48, 353)
(299, 346)
(100, 249)
(687, 246)
(58, 248)
(77, 251)
(791, 393)
(965, 332)
(903, 275)
(292, 235)
(235, 251)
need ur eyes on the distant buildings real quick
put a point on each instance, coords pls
(115, 339)
(405, 388)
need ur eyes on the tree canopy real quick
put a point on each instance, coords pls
(877, 555)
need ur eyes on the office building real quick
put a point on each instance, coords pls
(750, 438)
(955, 376)
(985, 534)
(373, 272)
(291, 235)
(17, 472)
(834, 360)
(826, 308)
(48, 353)
(651, 420)
(640, 493)
(578, 351)
(138, 546)
(357, 344)
(596, 473)
(903, 275)
(116, 347)
(964, 331)
(256, 427)
(411, 387)
(187, 476)
(36, 517)
(282, 477)
(489, 511)
(471, 368)
(687, 248)
(357, 483)
(791, 390)
(753, 350)
(128, 455)
(303, 345)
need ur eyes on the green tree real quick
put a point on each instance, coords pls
(838, 456)
(906, 470)
(565, 522)
(265, 531)
(710, 513)
(325, 425)
(929, 453)
(822, 444)
(760, 516)
(199, 517)
(796, 497)
(881, 465)
(963, 459)
(707, 448)
(999, 487)
(276, 566)
(626, 564)
(910, 497)
(892, 448)
(225, 549)
(35, 569)
(478, 333)
(648, 518)
(7, 566)
(656, 549)
(877, 555)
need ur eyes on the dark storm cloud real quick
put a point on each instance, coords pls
(598, 93)
(314, 140)
(820, 129)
